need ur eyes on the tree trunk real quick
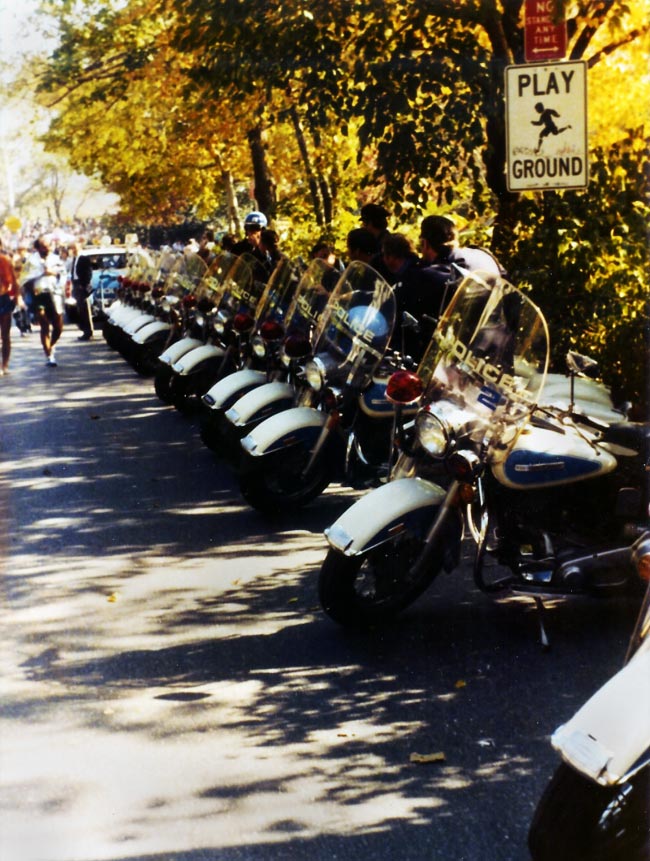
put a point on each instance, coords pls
(314, 188)
(234, 219)
(264, 190)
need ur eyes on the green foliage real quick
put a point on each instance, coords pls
(584, 257)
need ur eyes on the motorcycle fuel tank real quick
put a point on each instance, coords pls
(544, 458)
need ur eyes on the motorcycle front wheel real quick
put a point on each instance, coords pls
(357, 591)
(279, 486)
(579, 820)
(162, 383)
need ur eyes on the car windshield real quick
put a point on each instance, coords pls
(108, 261)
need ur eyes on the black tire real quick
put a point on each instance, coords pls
(578, 820)
(357, 591)
(277, 486)
(162, 383)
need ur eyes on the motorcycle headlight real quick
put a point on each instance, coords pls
(315, 374)
(259, 347)
(433, 433)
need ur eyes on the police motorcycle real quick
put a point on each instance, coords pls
(149, 289)
(554, 494)
(130, 291)
(342, 429)
(179, 277)
(190, 311)
(228, 325)
(596, 806)
(287, 315)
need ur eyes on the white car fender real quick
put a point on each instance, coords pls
(253, 402)
(231, 386)
(381, 514)
(189, 361)
(179, 348)
(611, 731)
(134, 325)
(283, 429)
(148, 331)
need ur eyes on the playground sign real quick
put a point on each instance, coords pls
(546, 126)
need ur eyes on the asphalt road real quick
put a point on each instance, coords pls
(172, 690)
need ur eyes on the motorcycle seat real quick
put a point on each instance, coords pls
(633, 435)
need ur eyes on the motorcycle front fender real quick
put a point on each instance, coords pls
(189, 362)
(384, 513)
(151, 330)
(611, 731)
(137, 323)
(299, 425)
(232, 387)
(260, 402)
(173, 353)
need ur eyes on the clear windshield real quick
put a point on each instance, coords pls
(138, 262)
(310, 298)
(489, 354)
(356, 325)
(278, 293)
(184, 275)
(241, 289)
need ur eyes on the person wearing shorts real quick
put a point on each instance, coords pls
(46, 271)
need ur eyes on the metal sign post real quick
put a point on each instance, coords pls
(546, 126)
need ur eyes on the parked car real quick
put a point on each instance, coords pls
(108, 262)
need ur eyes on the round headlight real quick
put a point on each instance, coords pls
(314, 374)
(432, 434)
(259, 347)
(219, 327)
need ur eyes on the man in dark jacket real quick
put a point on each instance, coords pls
(81, 275)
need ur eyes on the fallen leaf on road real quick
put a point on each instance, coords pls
(428, 757)
(461, 683)
(112, 598)
(292, 600)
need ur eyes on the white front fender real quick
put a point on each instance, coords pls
(232, 387)
(149, 331)
(259, 401)
(382, 514)
(175, 351)
(136, 323)
(188, 362)
(611, 731)
(299, 424)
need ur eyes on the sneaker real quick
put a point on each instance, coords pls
(85, 338)
(51, 361)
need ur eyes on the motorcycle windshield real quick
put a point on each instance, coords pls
(278, 293)
(165, 264)
(241, 289)
(489, 354)
(213, 280)
(139, 261)
(356, 325)
(185, 275)
(310, 298)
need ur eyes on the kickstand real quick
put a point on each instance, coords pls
(543, 636)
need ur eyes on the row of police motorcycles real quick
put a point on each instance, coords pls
(300, 383)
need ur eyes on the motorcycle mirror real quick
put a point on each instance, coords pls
(409, 321)
(578, 364)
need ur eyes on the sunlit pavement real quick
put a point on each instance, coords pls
(172, 691)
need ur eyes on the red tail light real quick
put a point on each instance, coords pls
(404, 387)
(271, 331)
(189, 301)
(243, 322)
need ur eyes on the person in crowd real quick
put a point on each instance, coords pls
(9, 298)
(416, 304)
(443, 260)
(270, 247)
(362, 245)
(254, 224)
(374, 218)
(46, 273)
(81, 273)
(228, 242)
